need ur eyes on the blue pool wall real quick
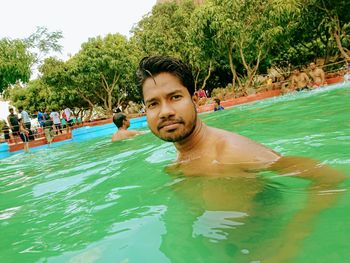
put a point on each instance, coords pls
(80, 135)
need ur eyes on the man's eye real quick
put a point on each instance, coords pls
(151, 105)
(176, 97)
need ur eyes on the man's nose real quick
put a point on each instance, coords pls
(166, 110)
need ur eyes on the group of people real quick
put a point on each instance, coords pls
(20, 124)
(301, 81)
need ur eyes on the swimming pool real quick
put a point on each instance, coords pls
(97, 201)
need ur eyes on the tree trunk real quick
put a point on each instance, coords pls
(232, 67)
(250, 72)
(109, 104)
(85, 98)
(207, 77)
(337, 33)
(91, 109)
(196, 80)
(340, 46)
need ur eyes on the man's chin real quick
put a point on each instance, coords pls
(171, 138)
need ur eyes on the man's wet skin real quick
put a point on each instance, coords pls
(202, 150)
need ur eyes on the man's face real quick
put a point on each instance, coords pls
(170, 109)
(11, 111)
(126, 123)
(312, 66)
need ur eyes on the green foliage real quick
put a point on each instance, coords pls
(15, 62)
(56, 74)
(33, 96)
(104, 67)
(165, 30)
(42, 42)
(18, 56)
(2, 124)
(225, 41)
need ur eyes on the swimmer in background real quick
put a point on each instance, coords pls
(317, 75)
(122, 122)
(217, 105)
(299, 81)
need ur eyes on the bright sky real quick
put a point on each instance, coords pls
(77, 19)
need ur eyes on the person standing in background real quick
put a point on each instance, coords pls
(67, 116)
(48, 130)
(55, 117)
(13, 122)
(25, 120)
(41, 118)
(6, 131)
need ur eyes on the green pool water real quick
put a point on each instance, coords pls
(98, 201)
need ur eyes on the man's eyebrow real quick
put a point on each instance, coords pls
(168, 95)
(150, 100)
(174, 92)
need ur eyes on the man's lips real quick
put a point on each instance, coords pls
(168, 124)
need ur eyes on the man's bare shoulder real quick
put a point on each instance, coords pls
(319, 71)
(303, 75)
(133, 132)
(233, 147)
(124, 134)
(116, 137)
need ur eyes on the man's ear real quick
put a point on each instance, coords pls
(195, 98)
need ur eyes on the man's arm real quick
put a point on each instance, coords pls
(10, 124)
(322, 195)
(323, 77)
(135, 132)
(307, 79)
(320, 175)
(292, 82)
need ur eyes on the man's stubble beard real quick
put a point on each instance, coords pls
(181, 136)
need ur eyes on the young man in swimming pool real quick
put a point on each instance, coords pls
(122, 122)
(170, 99)
(168, 92)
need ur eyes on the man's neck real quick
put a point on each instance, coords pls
(193, 143)
(122, 128)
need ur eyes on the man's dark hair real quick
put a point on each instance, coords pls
(152, 66)
(20, 108)
(217, 101)
(118, 119)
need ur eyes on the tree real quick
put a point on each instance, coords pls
(18, 56)
(104, 68)
(246, 31)
(164, 31)
(204, 49)
(42, 42)
(57, 75)
(15, 62)
(35, 95)
(337, 19)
